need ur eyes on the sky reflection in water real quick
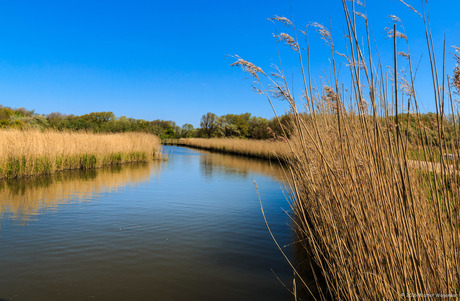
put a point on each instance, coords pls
(186, 229)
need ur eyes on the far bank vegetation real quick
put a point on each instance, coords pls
(33, 152)
(263, 149)
(242, 125)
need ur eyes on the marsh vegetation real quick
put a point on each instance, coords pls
(264, 149)
(374, 226)
(34, 152)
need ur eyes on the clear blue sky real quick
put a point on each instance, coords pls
(168, 59)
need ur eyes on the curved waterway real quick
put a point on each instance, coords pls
(189, 228)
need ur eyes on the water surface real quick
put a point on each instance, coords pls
(189, 228)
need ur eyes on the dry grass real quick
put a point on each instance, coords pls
(252, 148)
(374, 227)
(29, 153)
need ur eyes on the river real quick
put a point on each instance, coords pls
(189, 228)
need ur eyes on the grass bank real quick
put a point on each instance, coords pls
(263, 149)
(33, 152)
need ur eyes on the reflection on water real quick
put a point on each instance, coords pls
(215, 163)
(25, 198)
(186, 229)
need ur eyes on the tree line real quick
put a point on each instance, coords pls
(211, 125)
(243, 126)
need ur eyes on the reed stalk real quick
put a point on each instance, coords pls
(33, 152)
(263, 149)
(375, 224)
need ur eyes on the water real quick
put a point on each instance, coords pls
(189, 228)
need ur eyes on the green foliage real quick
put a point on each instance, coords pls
(98, 117)
(428, 130)
(187, 131)
(243, 126)
(6, 113)
(258, 127)
(4, 123)
(88, 161)
(230, 125)
(209, 124)
(16, 167)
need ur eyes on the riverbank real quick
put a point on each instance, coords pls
(262, 149)
(33, 152)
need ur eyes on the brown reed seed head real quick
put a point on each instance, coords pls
(324, 33)
(378, 221)
(404, 55)
(361, 15)
(284, 37)
(395, 19)
(247, 67)
(411, 8)
(391, 33)
(282, 20)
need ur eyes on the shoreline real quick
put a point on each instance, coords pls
(34, 153)
(227, 146)
(16, 168)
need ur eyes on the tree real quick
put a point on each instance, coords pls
(6, 113)
(187, 131)
(285, 128)
(241, 122)
(98, 117)
(208, 124)
(55, 120)
(258, 128)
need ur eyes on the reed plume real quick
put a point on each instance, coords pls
(375, 224)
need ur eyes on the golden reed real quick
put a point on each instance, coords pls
(263, 149)
(32, 152)
(374, 224)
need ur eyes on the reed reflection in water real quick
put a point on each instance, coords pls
(215, 163)
(193, 232)
(22, 199)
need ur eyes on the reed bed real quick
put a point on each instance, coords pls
(264, 149)
(33, 152)
(373, 226)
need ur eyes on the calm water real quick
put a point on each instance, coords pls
(186, 229)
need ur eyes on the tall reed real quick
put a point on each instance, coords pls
(264, 149)
(33, 152)
(376, 225)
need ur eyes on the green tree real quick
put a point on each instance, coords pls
(208, 124)
(187, 131)
(258, 128)
(285, 127)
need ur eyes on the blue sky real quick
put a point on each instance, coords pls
(169, 60)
